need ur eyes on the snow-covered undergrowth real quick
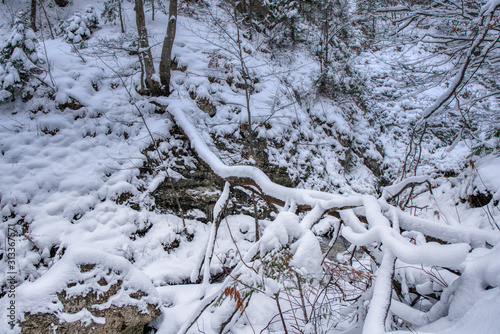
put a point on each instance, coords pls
(73, 174)
(80, 27)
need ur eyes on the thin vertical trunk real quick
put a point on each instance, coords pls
(33, 15)
(120, 14)
(144, 46)
(256, 220)
(168, 43)
(277, 299)
(153, 10)
(245, 74)
(250, 17)
(327, 38)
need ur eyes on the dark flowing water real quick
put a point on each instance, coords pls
(340, 246)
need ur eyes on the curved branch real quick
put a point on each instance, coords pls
(252, 176)
(308, 199)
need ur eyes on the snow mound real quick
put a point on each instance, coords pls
(108, 280)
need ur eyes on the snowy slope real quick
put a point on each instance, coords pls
(70, 169)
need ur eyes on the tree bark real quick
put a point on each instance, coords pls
(168, 43)
(153, 10)
(33, 15)
(145, 51)
(250, 18)
(120, 14)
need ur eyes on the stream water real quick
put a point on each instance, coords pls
(340, 246)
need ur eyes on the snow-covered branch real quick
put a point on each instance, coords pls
(384, 224)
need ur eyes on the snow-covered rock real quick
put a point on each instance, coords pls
(87, 291)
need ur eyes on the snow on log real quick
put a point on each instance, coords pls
(396, 189)
(381, 298)
(278, 194)
(252, 176)
(430, 253)
(221, 202)
(313, 216)
(451, 234)
(408, 313)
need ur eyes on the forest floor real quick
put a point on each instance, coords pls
(78, 171)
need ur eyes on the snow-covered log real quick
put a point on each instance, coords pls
(254, 177)
(383, 228)
(318, 201)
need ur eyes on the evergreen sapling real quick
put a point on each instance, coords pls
(19, 62)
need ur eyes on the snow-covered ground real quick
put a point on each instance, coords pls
(70, 170)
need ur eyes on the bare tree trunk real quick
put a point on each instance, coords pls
(33, 15)
(245, 74)
(120, 14)
(250, 18)
(168, 43)
(153, 10)
(145, 51)
(256, 219)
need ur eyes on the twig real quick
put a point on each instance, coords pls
(47, 57)
(47, 18)
(237, 248)
(276, 298)
(75, 49)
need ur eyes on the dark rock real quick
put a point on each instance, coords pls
(199, 189)
(118, 320)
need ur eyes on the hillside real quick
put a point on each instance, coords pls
(313, 167)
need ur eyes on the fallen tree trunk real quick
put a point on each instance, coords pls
(383, 227)
(305, 200)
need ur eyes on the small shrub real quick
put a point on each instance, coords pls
(80, 27)
(19, 61)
